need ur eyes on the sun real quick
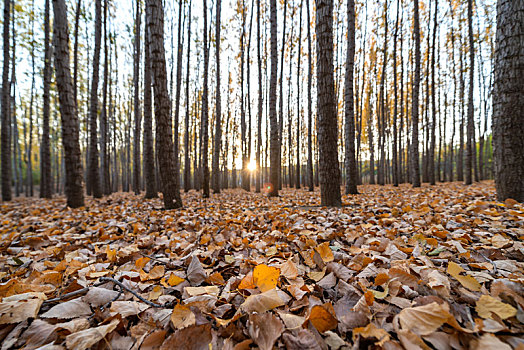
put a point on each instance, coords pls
(252, 166)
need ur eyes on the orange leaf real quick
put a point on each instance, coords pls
(322, 317)
(265, 277)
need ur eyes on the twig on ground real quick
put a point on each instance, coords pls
(144, 300)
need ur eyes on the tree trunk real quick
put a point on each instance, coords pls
(274, 148)
(136, 109)
(6, 92)
(205, 111)
(326, 109)
(350, 162)
(104, 126)
(178, 88)
(470, 131)
(218, 106)
(258, 171)
(187, 161)
(45, 152)
(94, 176)
(281, 99)
(299, 58)
(72, 156)
(395, 107)
(431, 159)
(415, 175)
(508, 104)
(165, 150)
(309, 105)
(149, 151)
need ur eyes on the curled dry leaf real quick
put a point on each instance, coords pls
(85, 339)
(372, 331)
(69, 309)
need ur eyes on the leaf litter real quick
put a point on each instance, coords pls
(435, 267)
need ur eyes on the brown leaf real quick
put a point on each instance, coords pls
(85, 339)
(323, 317)
(265, 329)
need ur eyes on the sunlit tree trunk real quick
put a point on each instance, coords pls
(309, 104)
(350, 162)
(218, 108)
(258, 172)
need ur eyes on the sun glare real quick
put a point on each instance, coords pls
(252, 166)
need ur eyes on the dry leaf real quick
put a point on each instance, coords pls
(467, 281)
(265, 277)
(262, 302)
(20, 307)
(85, 339)
(371, 331)
(182, 317)
(265, 329)
(69, 309)
(486, 305)
(323, 317)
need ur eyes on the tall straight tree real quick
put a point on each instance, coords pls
(415, 168)
(45, 152)
(178, 85)
(274, 148)
(299, 58)
(187, 161)
(136, 107)
(508, 103)
(164, 133)
(329, 170)
(6, 92)
(104, 125)
(70, 126)
(309, 104)
(470, 130)
(395, 157)
(205, 112)
(281, 97)
(350, 161)
(93, 173)
(218, 108)
(431, 159)
(149, 152)
(258, 172)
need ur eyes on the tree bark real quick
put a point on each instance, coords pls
(205, 113)
(415, 175)
(258, 171)
(149, 151)
(180, 42)
(104, 126)
(431, 159)
(6, 92)
(309, 105)
(94, 176)
(45, 152)
(187, 161)
(218, 109)
(508, 101)
(136, 109)
(165, 150)
(72, 156)
(470, 131)
(274, 126)
(350, 161)
(326, 109)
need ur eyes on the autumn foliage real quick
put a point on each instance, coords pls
(433, 267)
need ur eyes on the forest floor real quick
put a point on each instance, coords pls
(435, 267)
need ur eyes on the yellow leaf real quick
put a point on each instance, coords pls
(111, 254)
(182, 317)
(265, 277)
(325, 252)
(174, 280)
(467, 281)
(142, 262)
(486, 305)
(322, 317)
(372, 331)
(247, 282)
(156, 273)
(156, 293)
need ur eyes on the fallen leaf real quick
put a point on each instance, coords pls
(467, 281)
(262, 302)
(265, 277)
(265, 329)
(182, 317)
(372, 331)
(323, 317)
(85, 339)
(486, 305)
(69, 309)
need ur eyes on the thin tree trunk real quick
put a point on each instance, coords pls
(205, 110)
(104, 153)
(431, 159)
(218, 106)
(149, 151)
(309, 104)
(94, 176)
(178, 90)
(136, 109)
(415, 176)
(6, 92)
(274, 125)
(350, 161)
(187, 161)
(258, 171)
(470, 138)
(45, 152)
